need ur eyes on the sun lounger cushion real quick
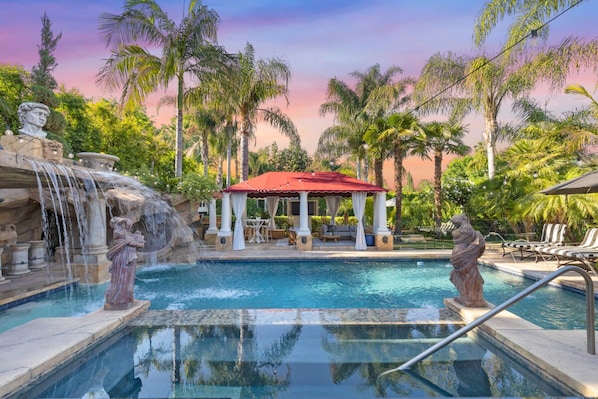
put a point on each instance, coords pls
(589, 243)
(553, 234)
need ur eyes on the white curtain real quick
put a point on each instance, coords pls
(272, 203)
(333, 203)
(359, 209)
(238, 204)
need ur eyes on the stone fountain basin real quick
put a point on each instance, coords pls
(98, 161)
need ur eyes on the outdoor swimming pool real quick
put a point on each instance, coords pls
(286, 284)
(251, 359)
(289, 361)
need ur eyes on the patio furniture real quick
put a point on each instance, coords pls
(256, 230)
(553, 234)
(329, 236)
(589, 243)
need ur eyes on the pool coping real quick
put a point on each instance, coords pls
(560, 355)
(29, 352)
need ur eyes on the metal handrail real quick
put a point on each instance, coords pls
(591, 345)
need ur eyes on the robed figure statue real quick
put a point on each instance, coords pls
(123, 254)
(469, 246)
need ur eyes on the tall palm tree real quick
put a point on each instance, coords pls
(250, 84)
(401, 130)
(457, 84)
(204, 122)
(442, 138)
(188, 47)
(376, 95)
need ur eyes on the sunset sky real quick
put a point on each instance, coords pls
(320, 40)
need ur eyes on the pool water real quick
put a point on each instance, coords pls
(289, 361)
(296, 284)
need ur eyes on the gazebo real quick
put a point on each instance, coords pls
(331, 185)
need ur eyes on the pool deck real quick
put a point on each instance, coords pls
(28, 352)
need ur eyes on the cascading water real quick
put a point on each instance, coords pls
(166, 234)
(82, 201)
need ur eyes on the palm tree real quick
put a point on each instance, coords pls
(401, 130)
(442, 138)
(456, 84)
(376, 95)
(252, 83)
(188, 47)
(530, 16)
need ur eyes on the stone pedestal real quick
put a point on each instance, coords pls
(304, 243)
(33, 147)
(384, 242)
(8, 236)
(94, 160)
(37, 255)
(210, 238)
(224, 243)
(19, 264)
(2, 278)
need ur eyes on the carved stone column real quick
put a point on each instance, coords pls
(19, 264)
(91, 265)
(37, 255)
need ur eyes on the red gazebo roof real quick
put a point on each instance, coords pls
(318, 184)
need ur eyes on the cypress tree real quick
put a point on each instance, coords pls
(43, 83)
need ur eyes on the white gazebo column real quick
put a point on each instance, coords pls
(382, 235)
(224, 239)
(304, 239)
(212, 231)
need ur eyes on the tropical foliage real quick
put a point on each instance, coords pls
(186, 48)
(218, 116)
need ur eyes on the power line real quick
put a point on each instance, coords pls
(533, 33)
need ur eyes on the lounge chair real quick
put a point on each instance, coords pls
(588, 260)
(553, 234)
(589, 243)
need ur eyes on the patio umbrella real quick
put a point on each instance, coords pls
(584, 184)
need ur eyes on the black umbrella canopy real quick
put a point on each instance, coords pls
(584, 184)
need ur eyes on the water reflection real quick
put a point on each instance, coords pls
(246, 360)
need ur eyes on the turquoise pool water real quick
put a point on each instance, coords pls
(309, 284)
(289, 362)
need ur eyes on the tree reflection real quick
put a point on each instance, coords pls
(222, 356)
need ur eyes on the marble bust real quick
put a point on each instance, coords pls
(33, 117)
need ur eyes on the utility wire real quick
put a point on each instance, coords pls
(532, 33)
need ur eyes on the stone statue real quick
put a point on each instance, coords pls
(33, 117)
(469, 246)
(123, 254)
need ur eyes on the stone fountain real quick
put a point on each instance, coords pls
(54, 209)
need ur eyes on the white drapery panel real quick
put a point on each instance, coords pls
(272, 203)
(333, 203)
(359, 209)
(238, 205)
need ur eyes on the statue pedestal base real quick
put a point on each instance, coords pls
(120, 306)
(304, 243)
(33, 147)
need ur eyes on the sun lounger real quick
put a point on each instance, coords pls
(587, 260)
(589, 243)
(553, 234)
